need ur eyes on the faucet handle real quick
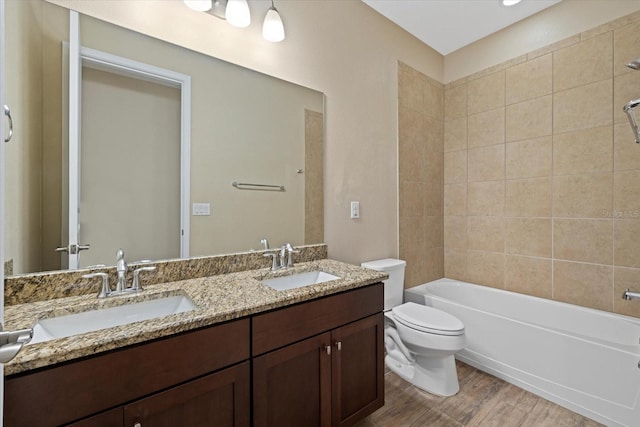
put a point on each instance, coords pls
(135, 286)
(290, 251)
(105, 289)
(274, 260)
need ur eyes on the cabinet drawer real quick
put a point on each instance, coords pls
(78, 389)
(290, 324)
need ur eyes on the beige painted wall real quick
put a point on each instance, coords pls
(563, 20)
(347, 51)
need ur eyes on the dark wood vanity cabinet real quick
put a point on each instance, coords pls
(314, 363)
(329, 372)
(167, 368)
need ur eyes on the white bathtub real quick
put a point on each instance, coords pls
(583, 359)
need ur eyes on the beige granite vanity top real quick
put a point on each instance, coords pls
(218, 298)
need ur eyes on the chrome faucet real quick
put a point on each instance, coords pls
(284, 254)
(629, 295)
(121, 271)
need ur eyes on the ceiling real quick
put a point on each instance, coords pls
(448, 25)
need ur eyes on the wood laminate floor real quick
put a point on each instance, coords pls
(483, 400)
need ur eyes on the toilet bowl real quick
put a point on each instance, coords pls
(420, 341)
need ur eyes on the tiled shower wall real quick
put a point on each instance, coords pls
(420, 124)
(541, 174)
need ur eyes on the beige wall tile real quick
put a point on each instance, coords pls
(486, 93)
(486, 163)
(411, 129)
(529, 197)
(626, 194)
(554, 46)
(433, 98)
(410, 88)
(583, 107)
(433, 199)
(485, 233)
(434, 264)
(486, 128)
(587, 285)
(486, 268)
(411, 162)
(626, 278)
(583, 151)
(528, 236)
(529, 119)
(529, 158)
(625, 89)
(626, 153)
(434, 134)
(455, 135)
(455, 103)
(433, 231)
(455, 167)
(627, 242)
(582, 196)
(412, 234)
(455, 264)
(529, 80)
(486, 198)
(455, 199)
(531, 276)
(455, 232)
(585, 62)
(411, 198)
(625, 47)
(416, 268)
(586, 240)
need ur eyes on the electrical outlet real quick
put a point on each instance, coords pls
(355, 210)
(201, 209)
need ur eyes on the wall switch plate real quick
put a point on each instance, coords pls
(355, 210)
(201, 209)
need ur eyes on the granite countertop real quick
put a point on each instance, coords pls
(218, 299)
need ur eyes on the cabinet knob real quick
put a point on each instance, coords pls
(137, 425)
(338, 345)
(327, 348)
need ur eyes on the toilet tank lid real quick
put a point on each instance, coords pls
(384, 264)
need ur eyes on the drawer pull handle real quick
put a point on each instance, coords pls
(339, 345)
(137, 425)
(327, 348)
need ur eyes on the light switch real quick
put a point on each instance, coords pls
(355, 210)
(200, 209)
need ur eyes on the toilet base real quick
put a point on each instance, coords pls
(434, 375)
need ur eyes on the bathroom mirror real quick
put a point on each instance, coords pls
(246, 127)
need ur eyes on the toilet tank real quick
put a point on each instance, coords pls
(394, 285)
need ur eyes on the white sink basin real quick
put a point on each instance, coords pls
(298, 280)
(88, 321)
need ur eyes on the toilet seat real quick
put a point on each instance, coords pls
(427, 319)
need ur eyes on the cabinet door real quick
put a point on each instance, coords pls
(357, 370)
(292, 385)
(220, 399)
(112, 418)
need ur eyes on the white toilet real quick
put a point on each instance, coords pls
(420, 340)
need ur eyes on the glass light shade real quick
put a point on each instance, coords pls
(272, 28)
(510, 2)
(199, 5)
(238, 13)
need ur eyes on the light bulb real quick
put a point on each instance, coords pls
(238, 13)
(199, 5)
(272, 28)
(510, 2)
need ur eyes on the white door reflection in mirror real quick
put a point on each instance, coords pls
(131, 187)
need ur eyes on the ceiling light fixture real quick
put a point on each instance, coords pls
(510, 2)
(238, 13)
(199, 5)
(272, 27)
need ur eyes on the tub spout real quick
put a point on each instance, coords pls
(629, 295)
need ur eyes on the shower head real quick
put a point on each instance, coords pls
(635, 64)
(628, 109)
